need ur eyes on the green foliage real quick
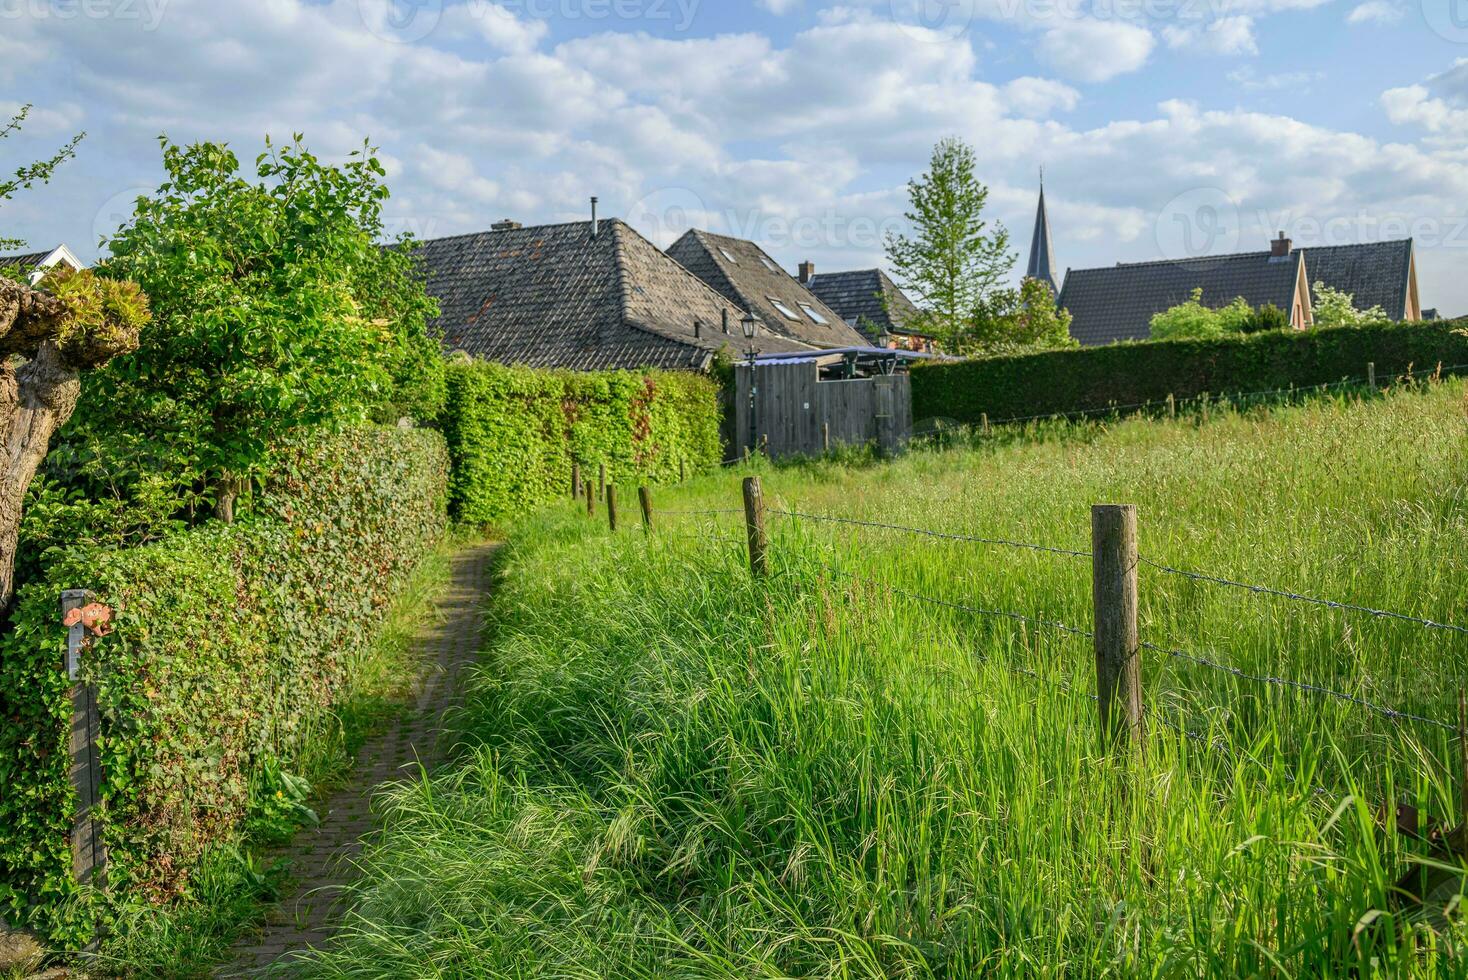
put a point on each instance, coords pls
(677, 772)
(102, 315)
(1271, 317)
(953, 260)
(1335, 308)
(1094, 378)
(513, 432)
(275, 311)
(28, 175)
(1191, 320)
(229, 641)
(1018, 321)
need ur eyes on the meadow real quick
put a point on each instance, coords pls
(671, 769)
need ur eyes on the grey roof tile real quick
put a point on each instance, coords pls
(737, 269)
(859, 296)
(1376, 274)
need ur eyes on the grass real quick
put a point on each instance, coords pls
(188, 938)
(671, 770)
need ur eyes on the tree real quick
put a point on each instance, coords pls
(1334, 308)
(1193, 320)
(953, 261)
(275, 310)
(47, 339)
(1019, 321)
(30, 174)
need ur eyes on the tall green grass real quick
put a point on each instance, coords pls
(671, 770)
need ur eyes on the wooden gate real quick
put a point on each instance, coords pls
(792, 412)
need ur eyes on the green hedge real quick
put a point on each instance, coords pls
(231, 640)
(1095, 378)
(513, 432)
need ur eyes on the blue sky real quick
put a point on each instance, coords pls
(1166, 127)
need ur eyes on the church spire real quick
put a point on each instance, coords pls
(1042, 256)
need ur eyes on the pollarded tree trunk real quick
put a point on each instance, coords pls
(40, 380)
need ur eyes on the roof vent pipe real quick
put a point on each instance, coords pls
(595, 225)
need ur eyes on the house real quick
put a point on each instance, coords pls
(589, 295)
(870, 301)
(38, 264)
(745, 276)
(1118, 302)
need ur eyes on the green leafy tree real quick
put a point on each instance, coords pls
(1015, 321)
(28, 175)
(1193, 320)
(275, 310)
(1334, 308)
(954, 260)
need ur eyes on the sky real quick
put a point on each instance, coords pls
(1165, 128)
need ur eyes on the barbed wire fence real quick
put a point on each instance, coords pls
(1125, 718)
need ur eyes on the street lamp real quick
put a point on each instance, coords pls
(750, 326)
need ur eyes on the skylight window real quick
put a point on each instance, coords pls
(785, 311)
(810, 311)
(768, 264)
(725, 253)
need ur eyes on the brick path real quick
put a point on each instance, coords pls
(321, 858)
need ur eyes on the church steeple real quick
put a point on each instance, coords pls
(1042, 257)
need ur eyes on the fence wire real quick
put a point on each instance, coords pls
(942, 535)
(1299, 597)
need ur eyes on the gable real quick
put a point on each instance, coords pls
(1376, 274)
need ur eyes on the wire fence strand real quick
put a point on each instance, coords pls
(942, 535)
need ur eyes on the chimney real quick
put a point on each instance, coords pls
(506, 225)
(595, 225)
(724, 317)
(807, 272)
(1280, 247)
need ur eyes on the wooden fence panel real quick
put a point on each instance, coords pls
(793, 410)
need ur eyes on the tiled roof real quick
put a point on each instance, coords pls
(1377, 274)
(27, 260)
(1118, 302)
(554, 296)
(737, 269)
(858, 296)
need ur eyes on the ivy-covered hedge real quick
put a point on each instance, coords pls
(513, 432)
(1095, 378)
(230, 641)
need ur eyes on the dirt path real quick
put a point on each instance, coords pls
(322, 857)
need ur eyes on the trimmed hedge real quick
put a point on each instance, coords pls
(513, 432)
(230, 641)
(1095, 378)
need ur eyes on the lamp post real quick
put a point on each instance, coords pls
(750, 325)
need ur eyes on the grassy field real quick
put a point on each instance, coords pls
(671, 770)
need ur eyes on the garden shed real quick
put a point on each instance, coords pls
(808, 403)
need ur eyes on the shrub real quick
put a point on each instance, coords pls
(1094, 378)
(513, 432)
(230, 641)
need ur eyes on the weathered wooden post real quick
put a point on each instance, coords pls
(611, 492)
(1171, 406)
(1118, 651)
(984, 419)
(826, 437)
(754, 522)
(1371, 375)
(88, 855)
(575, 480)
(590, 500)
(601, 486)
(644, 497)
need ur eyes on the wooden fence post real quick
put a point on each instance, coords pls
(1118, 651)
(644, 496)
(1171, 406)
(611, 492)
(1371, 375)
(88, 854)
(826, 437)
(575, 480)
(601, 487)
(590, 500)
(754, 522)
(984, 418)
(1206, 400)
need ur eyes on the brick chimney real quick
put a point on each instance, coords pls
(807, 272)
(1280, 247)
(506, 225)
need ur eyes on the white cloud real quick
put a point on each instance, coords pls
(1376, 12)
(1094, 51)
(1039, 98)
(1227, 35)
(1248, 78)
(780, 7)
(1439, 105)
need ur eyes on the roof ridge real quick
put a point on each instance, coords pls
(511, 231)
(718, 296)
